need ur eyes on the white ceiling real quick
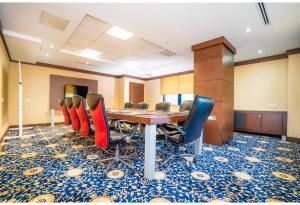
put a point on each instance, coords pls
(172, 26)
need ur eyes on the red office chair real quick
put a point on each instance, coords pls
(80, 107)
(73, 114)
(104, 137)
(65, 112)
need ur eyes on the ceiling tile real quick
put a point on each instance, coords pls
(127, 48)
(87, 33)
(100, 47)
(137, 41)
(144, 52)
(79, 41)
(110, 41)
(96, 24)
(73, 47)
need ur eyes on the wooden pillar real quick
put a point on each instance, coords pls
(213, 77)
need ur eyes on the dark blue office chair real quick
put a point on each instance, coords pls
(192, 128)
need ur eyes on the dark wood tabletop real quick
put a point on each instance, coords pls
(147, 117)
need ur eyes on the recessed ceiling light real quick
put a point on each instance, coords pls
(87, 63)
(248, 29)
(259, 51)
(51, 46)
(119, 33)
(47, 55)
(86, 53)
(90, 53)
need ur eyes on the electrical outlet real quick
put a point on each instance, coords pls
(212, 117)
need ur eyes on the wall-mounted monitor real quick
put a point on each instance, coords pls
(71, 90)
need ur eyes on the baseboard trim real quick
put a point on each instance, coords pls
(37, 124)
(293, 139)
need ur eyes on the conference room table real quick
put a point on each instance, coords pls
(151, 119)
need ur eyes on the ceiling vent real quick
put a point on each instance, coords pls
(263, 13)
(53, 21)
(167, 53)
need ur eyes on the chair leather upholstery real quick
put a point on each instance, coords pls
(97, 111)
(73, 115)
(191, 131)
(142, 105)
(63, 107)
(128, 105)
(186, 105)
(80, 107)
(164, 106)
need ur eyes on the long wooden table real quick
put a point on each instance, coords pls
(151, 119)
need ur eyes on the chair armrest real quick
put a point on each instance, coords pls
(175, 127)
(125, 137)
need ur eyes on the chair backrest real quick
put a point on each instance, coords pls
(96, 104)
(198, 115)
(164, 106)
(128, 105)
(80, 107)
(186, 105)
(65, 112)
(73, 115)
(142, 105)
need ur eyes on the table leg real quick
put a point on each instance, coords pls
(150, 144)
(199, 144)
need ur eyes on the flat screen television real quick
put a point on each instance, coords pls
(71, 90)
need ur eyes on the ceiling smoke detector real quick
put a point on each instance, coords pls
(167, 53)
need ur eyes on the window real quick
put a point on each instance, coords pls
(173, 99)
(185, 97)
(177, 99)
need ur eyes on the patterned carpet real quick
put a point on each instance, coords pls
(55, 167)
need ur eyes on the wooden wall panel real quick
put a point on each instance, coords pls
(218, 89)
(58, 82)
(214, 77)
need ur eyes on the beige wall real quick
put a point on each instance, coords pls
(4, 72)
(261, 86)
(36, 84)
(152, 92)
(123, 90)
(294, 96)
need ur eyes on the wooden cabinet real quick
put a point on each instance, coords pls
(264, 122)
(252, 121)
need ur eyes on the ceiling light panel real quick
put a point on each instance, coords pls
(22, 36)
(110, 41)
(119, 33)
(26, 51)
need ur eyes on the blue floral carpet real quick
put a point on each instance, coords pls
(56, 165)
